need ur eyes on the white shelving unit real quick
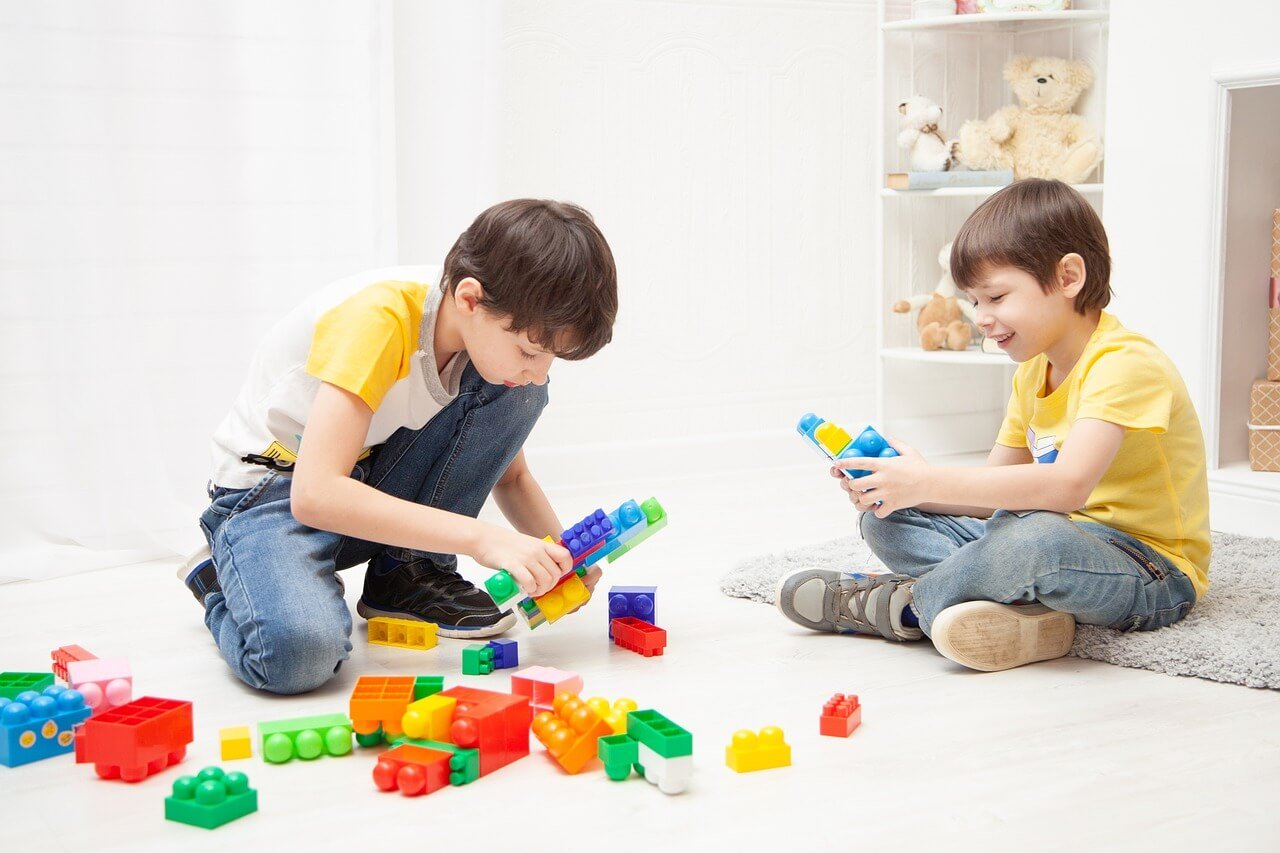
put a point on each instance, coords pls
(948, 403)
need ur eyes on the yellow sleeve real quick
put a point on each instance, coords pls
(1127, 388)
(364, 344)
(1013, 432)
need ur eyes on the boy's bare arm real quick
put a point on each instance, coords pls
(1000, 455)
(323, 495)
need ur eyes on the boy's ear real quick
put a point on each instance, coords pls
(1071, 275)
(467, 294)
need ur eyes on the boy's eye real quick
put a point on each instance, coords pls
(997, 298)
(529, 355)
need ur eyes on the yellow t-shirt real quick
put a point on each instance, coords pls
(1156, 488)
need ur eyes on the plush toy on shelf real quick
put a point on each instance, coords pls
(927, 151)
(944, 321)
(1040, 138)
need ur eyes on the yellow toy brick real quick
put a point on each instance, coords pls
(235, 743)
(764, 751)
(615, 715)
(429, 718)
(568, 594)
(402, 633)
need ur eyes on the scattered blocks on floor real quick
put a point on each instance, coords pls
(840, 716)
(543, 683)
(429, 717)
(136, 740)
(666, 750)
(413, 770)
(305, 738)
(402, 633)
(105, 682)
(636, 601)
(495, 724)
(64, 655)
(211, 798)
(618, 752)
(14, 683)
(570, 731)
(477, 659)
(506, 653)
(751, 751)
(35, 726)
(616, 714)
(427, 685)
(236, 743)
(639, 637)
(378, 702)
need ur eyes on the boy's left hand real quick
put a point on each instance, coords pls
(896, 482)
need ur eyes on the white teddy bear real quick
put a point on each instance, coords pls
(927, 151)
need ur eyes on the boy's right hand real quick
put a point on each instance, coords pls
(535, 564)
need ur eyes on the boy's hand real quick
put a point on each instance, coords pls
(535, 564)
(896, 482)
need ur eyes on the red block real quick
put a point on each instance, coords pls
(64, 655)
(637, 636)
(412, 769)
(133, 741)
(840, 716)
(496, 724)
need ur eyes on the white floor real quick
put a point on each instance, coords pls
(1063, 754)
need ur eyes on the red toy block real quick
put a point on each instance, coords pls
(496, 724)
(413, 769)
(64, 655)
(637, 636)
(380, 701)
(133, 741)
(840, 716)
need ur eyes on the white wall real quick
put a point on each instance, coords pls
(726, 151)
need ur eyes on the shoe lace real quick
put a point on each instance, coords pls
(848, 606)
(432, 580)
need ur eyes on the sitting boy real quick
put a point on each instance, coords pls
(377, 418)
(1097, 479)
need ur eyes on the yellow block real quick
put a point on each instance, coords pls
(429, 718)
(235, 743)
(569, 594)
(402, 633)
(615, 715)
(832, 437)
(750, 751)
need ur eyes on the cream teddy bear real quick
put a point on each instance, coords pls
(942, 317)
(1041, 138)
(927, 151)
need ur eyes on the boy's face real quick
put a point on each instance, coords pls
(501, 356)
(1015, 311)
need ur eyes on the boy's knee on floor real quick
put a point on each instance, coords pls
(305, 658)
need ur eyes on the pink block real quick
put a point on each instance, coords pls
(105, 682)
(542, 683)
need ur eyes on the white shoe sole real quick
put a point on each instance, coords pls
(503, 625)
(990, 637)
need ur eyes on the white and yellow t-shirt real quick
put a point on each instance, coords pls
(371, 334)
(1156, 489)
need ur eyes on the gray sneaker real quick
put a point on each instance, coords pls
(846, 603)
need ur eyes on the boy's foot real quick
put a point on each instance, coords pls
(826, 600)
(199, 573)
(422, 589)
(989, 636)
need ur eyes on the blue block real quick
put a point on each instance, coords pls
(636, 601)
(506, 653)
(584, 535)
(867, 444)
(40, 725)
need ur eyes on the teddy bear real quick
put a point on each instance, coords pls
(942, 319)
(1040, 138)
(927, 151)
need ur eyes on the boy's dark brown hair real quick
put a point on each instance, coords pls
(545, 266)
(1031, 224)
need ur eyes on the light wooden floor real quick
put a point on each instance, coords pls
(1066, 754)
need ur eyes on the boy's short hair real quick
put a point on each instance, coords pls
(546, 267)
(1031, 224)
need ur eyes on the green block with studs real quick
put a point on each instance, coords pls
(13, 683)
(210, 798)
(464, 767)
(618, 753)
(659, 734)
(477, 659)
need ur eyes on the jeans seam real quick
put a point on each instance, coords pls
(417, 434)
(244, 592)
(463, 429)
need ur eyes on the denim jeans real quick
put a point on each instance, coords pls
(280, 619)
(1099, 575)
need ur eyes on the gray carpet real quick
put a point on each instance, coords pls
(1231, 635)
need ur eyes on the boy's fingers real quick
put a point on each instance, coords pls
(860, 463)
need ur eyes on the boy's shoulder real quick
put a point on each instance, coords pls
(1121, 346)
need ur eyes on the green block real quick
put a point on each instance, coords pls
(659, 734)
(13, 683)
(305, 737)
(210, 798)
(501, 586)
(374, 738)
(618, 753)
(464, 767)
(477, 659)
(427, 685)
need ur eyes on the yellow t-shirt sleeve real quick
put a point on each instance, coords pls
(365, 344)
(1125, 388)
(1013, 432)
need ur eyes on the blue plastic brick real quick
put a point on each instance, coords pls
(866, 444)
(40, 725)
(506, 653)
(637, 601)
(584, 535)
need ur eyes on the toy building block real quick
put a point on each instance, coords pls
(412, 769)
(34, 726)
(570, 731)
(840, 716)
(671, 775)
(833, 443)
(659, 734)
(477, 659)
(305, 738)
(136, 740)
(379, 702)
(615, 715)
(429, 717)
(618, 753)
(639, 602)
(64, 655)
(211, 798)
(402, 633)
(14, 683)
(464, 767)
(236, 743)
(501, 586)
(567, 595)
(764, 751)
(496, 724)
(506, 653)
(639, 637)
(105, 682)
(427, 685)
(543, 683)
(655, 518)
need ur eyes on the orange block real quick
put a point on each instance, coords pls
(570, 732)
(380, 701)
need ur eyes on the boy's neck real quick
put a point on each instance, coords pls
(1064, 353)
(448, 333)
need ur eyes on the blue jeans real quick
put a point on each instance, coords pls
(1099, 575)
(280, 619)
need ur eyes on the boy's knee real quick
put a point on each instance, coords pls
(301, 659)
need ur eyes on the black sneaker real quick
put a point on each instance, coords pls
(199, 574)
(423, 589)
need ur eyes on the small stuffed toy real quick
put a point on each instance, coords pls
(927, 151)
(1040, 138)
(942, 317)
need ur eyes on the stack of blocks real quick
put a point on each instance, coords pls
(833, 443)
(660, 750)
(483, 659)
